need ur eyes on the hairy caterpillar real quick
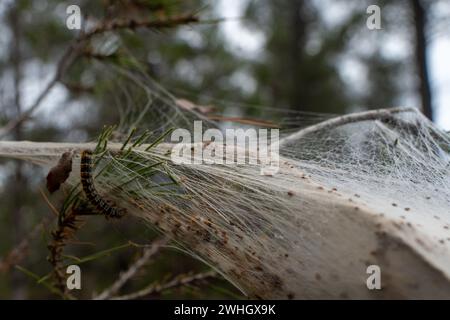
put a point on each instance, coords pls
(91, 193)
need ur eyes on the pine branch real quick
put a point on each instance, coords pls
(76, 49)
(180, 281)
(118, 24)
(63, 233)
(148, 253)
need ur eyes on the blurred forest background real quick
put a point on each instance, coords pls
(311, 56)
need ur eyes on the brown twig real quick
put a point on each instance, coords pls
(48, 202)
(180, 281)
(74, 50)
(253, 122)
(64, 232)
(116, 24)
(64, 63)
(342, 120)
(18, 253)
(148, 253)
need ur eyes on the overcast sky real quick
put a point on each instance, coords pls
(334, 11)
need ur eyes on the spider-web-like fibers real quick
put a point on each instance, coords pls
(348, 194)
(311, 229)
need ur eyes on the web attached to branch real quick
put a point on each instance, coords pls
(350, 192)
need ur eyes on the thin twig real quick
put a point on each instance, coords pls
(116, 24)
(73, 51)
(64, 63)
(180, 281)
(349, 118)
(18, 253)
(48, 202)
(133, 269)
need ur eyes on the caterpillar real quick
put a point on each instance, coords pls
(87, 182)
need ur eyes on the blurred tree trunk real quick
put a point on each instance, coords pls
(18, 179)
(420, 23)
(298, 41)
